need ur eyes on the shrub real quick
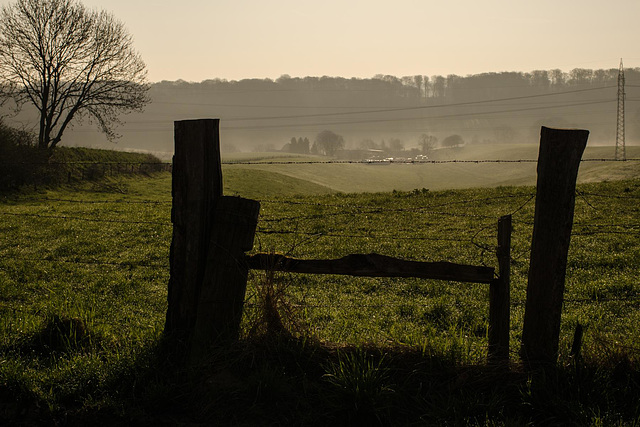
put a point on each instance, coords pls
(20, 159)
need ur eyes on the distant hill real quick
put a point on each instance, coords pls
(484, 109)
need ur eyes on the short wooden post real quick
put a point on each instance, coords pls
(225, 278)
(196, 188)
(576, 345)
(558, 162)
(500, 298)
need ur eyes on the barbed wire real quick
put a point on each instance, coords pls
(87, 262)
(347, 206)
(579, 193)
(590, 300)
(591, 233)
(590, 225)
(85, 162)
(90, 202)
(319, 162)
(76, 218)
(375, 211)
(354, 236)
(403, 162)
(607, 196)
(586, 228)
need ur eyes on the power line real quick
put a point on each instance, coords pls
(422, 107)
(399, 109)
(198, 104)
(259, 127)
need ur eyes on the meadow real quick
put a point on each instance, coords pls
(357, 178)
(83, 279)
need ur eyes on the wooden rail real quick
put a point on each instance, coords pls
(373, 265)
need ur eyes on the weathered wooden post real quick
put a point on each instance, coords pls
(210, 235)
(558, 162)
(225, 278)
(196, 188)
(500, 298)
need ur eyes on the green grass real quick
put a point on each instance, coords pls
(84, 271)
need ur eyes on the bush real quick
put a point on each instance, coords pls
(21, 161)
(452, 141)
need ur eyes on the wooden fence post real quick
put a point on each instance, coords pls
(500, 298)
(225, 278)
(558, 162)
(196, 188)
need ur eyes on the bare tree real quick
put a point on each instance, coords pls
(70, 63)
(328, 143)
(427, 143)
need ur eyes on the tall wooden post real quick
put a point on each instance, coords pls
(500, 298)
(558, 162)
(196, 188)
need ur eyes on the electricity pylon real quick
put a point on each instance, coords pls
(620, 150)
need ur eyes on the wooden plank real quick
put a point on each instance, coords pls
(558, 162)
(373, 265)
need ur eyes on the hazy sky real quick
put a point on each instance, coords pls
(196, 40)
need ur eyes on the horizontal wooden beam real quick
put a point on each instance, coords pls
(373, 265)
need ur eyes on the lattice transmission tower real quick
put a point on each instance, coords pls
(620, 149)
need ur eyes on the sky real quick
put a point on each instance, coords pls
(195, 40)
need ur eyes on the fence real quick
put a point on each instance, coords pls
(589, 197)
(211, 233)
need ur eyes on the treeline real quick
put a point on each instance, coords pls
(418, 87)
(488, 108)
(506, 107)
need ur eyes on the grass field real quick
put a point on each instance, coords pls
(84, 271)
(356, 178)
